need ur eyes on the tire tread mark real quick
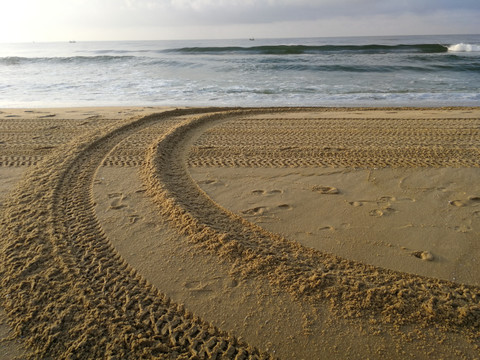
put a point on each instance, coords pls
(351, 289)
(64, 287)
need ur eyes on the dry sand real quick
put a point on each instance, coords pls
(243, 233)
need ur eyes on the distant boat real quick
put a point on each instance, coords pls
(72, 41)
(252, 39)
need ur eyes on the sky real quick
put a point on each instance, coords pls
(83, 20)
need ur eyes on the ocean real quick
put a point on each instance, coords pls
(348, 71)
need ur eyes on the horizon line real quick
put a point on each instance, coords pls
(235, 38)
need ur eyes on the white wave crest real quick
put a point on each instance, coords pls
(464, 48)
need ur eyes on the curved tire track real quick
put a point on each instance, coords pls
(352, 289)
(66, 290)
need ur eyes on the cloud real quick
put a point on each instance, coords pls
(121, 19)
(221, 12)
(227, 12)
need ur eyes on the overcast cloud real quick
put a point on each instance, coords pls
(162, 19)
(209, 12)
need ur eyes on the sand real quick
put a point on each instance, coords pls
(240, 233)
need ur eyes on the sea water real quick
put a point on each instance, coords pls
(353, 71)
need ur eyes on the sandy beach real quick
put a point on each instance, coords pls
(238, 233)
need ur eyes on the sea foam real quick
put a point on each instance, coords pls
(464, 48)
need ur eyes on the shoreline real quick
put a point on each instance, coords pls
(160, 107)
(259, 299)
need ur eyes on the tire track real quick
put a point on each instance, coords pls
(273, 142)
(339, 142)
(353, 290)
(26, 142)
(65, 289)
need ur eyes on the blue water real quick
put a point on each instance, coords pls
(354, 71)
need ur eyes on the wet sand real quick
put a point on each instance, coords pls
(242, 233)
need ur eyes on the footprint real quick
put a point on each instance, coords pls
(272, 192)
(463, 229)
(423, 255)
(407, 199)
(263, 192)
(133, 218)
(117, 204)
(382, 212)
(117, 201)
(386, 199)
(474, 199)
(330, 190)
(258, 192)
(356, 203)
(457, 203)
(376, 213)
(231, 283)
(255, 211)
(326, 228)
(196, 286)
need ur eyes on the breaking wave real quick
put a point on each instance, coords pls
(464, 48)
